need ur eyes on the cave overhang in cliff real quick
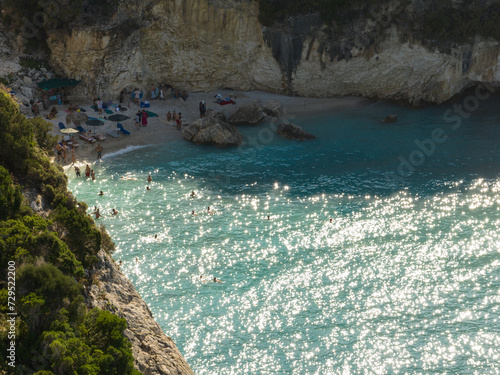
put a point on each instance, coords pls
(57, 83)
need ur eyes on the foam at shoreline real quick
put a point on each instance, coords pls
(123, 151)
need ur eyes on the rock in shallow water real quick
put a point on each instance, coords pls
(389, 119)
(292, 131)
(249, 114)
(213, 130)
(273, 108)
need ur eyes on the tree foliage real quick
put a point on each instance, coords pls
(54, 332)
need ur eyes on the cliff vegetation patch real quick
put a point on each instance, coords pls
(49, 254)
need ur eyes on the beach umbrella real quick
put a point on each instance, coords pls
(69, 131)
(94, 122)
(118, 118)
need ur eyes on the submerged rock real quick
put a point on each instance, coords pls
(213, 130)
(389, 119)
(292, 131)
(249, 114)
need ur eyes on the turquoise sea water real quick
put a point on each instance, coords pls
(405, 279)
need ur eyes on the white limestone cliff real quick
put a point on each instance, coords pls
(203, 45)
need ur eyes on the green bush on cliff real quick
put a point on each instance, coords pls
(54, 332)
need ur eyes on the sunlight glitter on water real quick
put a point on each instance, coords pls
(376, 280)
(401, 281)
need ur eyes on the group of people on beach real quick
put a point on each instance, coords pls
(141, 119)
(175, 117)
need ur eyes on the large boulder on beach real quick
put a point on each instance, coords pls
(292, 131)
(249, 114)
(272, 108)
(213, 130)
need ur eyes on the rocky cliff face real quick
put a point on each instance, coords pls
(203, 45)
(154, 352)
(209, 44)
(193, 44)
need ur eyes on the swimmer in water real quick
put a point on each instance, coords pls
(114, 212)
(101, 193)
(331, 220)
(209, 211)
(268, 217)
(193, 194)
(97, 214)
(156, 236)
(148, 188)
(217, 280)
(193, 213)
(150, 179)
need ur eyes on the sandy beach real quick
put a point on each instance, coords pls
(159, 131)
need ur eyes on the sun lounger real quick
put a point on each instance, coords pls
(87, 139)
(121, 129)
(99, 137)
(81, 129)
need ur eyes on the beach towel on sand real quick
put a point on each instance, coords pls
(108, 112)
(151, 114)
(224, 102)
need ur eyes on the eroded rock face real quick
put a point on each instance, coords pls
(203, 45)
(213, 130)
(292, 131)
(197, 45)
(249, 114)
(154, 352)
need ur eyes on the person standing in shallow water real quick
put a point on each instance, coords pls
(150, 179)
(99, 149)
(87, 171)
